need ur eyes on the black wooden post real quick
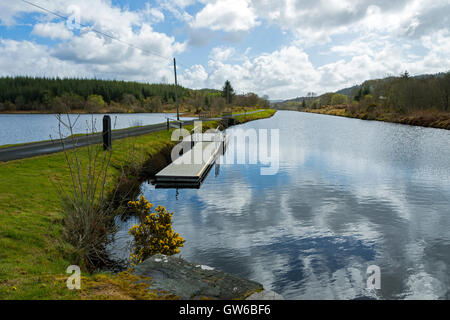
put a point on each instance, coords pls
(168, 124)
(107, 144)
(223, 144)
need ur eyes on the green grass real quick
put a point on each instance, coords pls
(255, 116)
(33, 255)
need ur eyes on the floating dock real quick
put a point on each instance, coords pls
(192, 167)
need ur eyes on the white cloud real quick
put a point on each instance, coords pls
(312, 21)
(438, 57)
(35, 60)
(281, 73)
(438, 42)
(86, 50)
(360, 40)
(195, 77)
(288, 72)
(373, 57)
(177, 8)
(10, 10)
(52, 30)
(226, 15)
(154, 15)
(221, 53)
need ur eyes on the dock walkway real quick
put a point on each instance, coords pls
(191, 168)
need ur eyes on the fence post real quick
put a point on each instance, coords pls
(168, 127)
(223, 143)
(107, 144)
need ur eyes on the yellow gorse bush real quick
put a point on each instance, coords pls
(154, 233)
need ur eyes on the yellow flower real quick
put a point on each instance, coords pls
(154, 234)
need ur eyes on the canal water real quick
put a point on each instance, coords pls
(21, 128)
(349, 194)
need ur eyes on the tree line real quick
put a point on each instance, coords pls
(47, 94)
(405, 93)
(93, 95)
(401, 94)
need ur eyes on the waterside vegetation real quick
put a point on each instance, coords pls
(56, 95)
(421, 100)
(35, 253)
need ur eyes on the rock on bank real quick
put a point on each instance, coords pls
(186, 280)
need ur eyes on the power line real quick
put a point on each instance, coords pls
(115, 39)
(99, 32)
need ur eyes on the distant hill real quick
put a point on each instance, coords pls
(290, 104)
(350, 91)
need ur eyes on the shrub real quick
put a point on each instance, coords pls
(115, 107)
(153, 104)
(367, 101)
(353, 108)
(315, 104)
(59, 106)
(338, 99)
(88, 227)
(129, 101)
(88, 215)
(95, 103)
(154, 234)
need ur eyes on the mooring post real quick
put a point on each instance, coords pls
(107, 144)
(168, 124)
(223, 144)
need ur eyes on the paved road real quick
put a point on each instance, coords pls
(45, 147)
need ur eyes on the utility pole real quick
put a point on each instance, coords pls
(176, 87)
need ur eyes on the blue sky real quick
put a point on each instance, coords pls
(282, 49)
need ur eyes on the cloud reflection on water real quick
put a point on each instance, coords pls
(348, 194)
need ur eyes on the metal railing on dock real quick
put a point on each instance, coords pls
(173, 123)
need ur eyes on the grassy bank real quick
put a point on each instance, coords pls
(425, 118)
(33, 255)
(254, 116)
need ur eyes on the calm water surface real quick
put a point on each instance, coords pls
(349, 194)
(21, 128)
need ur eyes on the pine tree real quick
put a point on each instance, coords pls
(228, 92)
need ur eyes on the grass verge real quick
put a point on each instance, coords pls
(33, 256)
